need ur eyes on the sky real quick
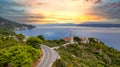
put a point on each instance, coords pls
(60, 11)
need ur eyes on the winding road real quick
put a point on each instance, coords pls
(57, 47)
(49, 56)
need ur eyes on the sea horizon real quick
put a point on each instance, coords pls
(110, 36)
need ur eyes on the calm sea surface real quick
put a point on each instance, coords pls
(110, 36)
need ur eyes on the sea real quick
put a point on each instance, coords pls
(110, 36)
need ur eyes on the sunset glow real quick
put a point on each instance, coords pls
(57, 11)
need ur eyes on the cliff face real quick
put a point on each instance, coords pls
(13, 25)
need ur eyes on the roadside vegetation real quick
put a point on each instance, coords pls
(94, 54)
(54, 43)
(15, 52)
(15, 49)
(51, 43)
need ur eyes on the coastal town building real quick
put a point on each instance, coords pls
(84, 40)
(70, 38)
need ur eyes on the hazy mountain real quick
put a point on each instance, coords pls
(100, 24)
(4, 23)
(89, 24)
(67, 24)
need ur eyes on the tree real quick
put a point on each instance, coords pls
(41, 37)
(20, 37)
(77, 39)
(34, 42)
(92, 40)
(60, 63)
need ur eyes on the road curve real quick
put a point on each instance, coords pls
(49, 56)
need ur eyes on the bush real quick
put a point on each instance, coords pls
(34, 42)
(4, 57)
(77, 39)
(60, 63)
(7, 42)
(20, 37)
(41, 37)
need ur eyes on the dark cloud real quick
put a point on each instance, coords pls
(16, 10)
(9, 7)
(98, 1)
(19, 6)
(18, 3)
(94, 1)
(116, 6)
(109, 10)
(23, 18)
(10, 10)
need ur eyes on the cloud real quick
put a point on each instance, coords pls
(109, 10)
(46, 11)
(17, 10)
(20, 3)
(116, 6)
(94, 1)
(28, 3)
(9, 7)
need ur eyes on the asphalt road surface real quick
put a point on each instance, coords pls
(49, 56)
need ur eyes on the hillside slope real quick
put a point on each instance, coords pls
(13, 25)
(8, 27)
(93, 54)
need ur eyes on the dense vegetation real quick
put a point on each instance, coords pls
(53, 43)
(5, 31)
(18, 56)
(15, 49)
(94, 54)
(34, 42)
(15, 52)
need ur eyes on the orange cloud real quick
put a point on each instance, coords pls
(90, 18)
(57, 11)
(66, 19)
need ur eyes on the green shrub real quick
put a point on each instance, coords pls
(60, 63)
(18, 56)
(34, 42)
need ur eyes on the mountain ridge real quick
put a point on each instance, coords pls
(108, 25)
(4, 23)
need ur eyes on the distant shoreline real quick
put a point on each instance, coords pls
(99, 25)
